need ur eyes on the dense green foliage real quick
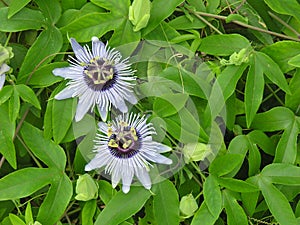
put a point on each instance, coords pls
(219, 79)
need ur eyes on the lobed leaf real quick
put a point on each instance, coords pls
(24, 182)
(277, 203)
(51, 38)
(56, 201)
(25, 19)
(15, 6)
(282, 173)
(46, 150)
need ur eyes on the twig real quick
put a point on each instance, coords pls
(244, 25)
(284, 23)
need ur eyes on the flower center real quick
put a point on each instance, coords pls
(125, 142)
(100, 74)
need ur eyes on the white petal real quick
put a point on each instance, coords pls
(162, 148)
(66, 93)
(79, 51)
(66, 72)
(82, 108)
(95, 163)
(103, 127)
(121, 106)
(144, 178)
(115, 178)
(97, 47)
(2, 80)
(103, 113)
(131, 98)
(157, 158)
(4, 68)
(126, 180)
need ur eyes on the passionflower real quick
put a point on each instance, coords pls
(3, 69)
(98, 77)
(126, 149)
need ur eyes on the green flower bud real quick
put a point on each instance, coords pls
(86, 188)
(196, 151)
(139, 14)
(5, 54)
(188, 205)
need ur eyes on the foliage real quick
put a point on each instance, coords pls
(220, 80)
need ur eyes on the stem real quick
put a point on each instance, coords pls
(7, 39)
(284, 23)
(29, 152)
(207, 23)
(244, 25)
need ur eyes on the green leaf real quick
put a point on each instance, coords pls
(159, 12)
(14, 105)
(84, 27)
(15, 220)
(24, 182)
(47, 151)
(7, 131)
(277, 203)
(106, 192)
(123, 35)
(212, 195)
(26, 19)
(277, 118)
(43, 76)
(223, 44)
(254, 89)
(254, 158)
(15, 6)
(61, 122)
(235, 213)
(72, 4)
(169, 104)
(88, 212)
(249, 200)
(5, 93)
(272, 71)
(236, 185)
(183, 23)
(286, 151)
(224, 164)
(56, 201)
(118, 209)
(203, 216)
(27, 94)
(166, 203)
(282, 173)
(287, 7)
(295, 61)
(236, 17)
(223, 88)
(28, 214)
(292, 100)
(281, 52)
(51, 38)
(50, 9)
(263, 141)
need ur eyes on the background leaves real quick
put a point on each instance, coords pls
(219, 79)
